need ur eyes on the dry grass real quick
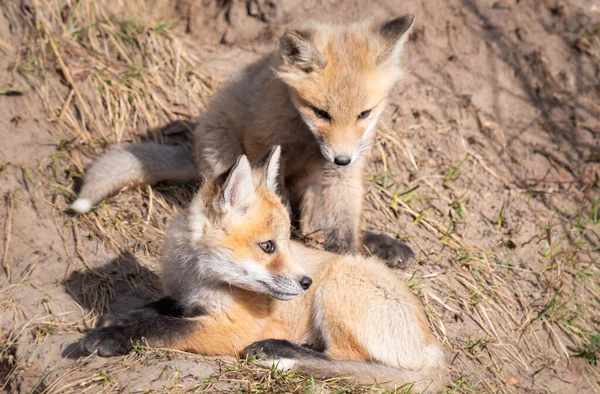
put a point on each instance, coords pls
(528, 317)
(106, 79)
(227, 374)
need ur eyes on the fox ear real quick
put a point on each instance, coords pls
(296, 49)
(239, 186)
(273, 168)
(268, 168)
(394, 34)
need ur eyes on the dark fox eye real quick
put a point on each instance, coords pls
(364, 114)
(267, 247)
(322, 114)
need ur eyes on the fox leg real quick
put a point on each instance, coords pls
(280, 349)
(216, 147)
(161, 323)
(165, 324)
(330, 208)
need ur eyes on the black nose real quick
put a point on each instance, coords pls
(342, 160)
(305, 282)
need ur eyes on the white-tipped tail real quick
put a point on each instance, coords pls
(428, 380)
(130, 165)
(81, 205)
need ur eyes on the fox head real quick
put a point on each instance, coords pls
(241, 223)
(339, 78)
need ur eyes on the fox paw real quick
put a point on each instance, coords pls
(278, 349)
(396, 254)
(108, 320)
(267, 349)
(107, 342)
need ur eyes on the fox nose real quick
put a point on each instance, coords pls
(342, 160)
(305, 282)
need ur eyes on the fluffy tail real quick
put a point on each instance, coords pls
(286, 355)
(365, 373)
(133, 164)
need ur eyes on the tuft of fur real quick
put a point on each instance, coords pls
(82, 205)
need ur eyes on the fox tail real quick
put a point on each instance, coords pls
(284, 355)
(132, 165)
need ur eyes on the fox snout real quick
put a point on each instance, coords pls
(305, 282)
(342, 160)
(285, 287)
(345, 146)
(299, 283)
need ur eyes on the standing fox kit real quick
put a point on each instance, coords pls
(319, 97)
(235, 284)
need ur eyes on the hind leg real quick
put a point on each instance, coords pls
(216, 148)
(281, 354)
(367, 313)
(337, 313)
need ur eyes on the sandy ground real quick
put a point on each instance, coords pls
(486, 163)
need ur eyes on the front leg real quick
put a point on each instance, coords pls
(222, 334)
(330, 206)
(161, 323)
(282, 190)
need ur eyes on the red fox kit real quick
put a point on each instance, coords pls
(235, 284)
(319, 97)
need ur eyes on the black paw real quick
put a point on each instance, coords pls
(107, 341)
(259, 350)
(108, 320)
(279, 348)
(396, 254)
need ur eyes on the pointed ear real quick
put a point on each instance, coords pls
(274, 156)
(239, 186)
(296, 49)
(267, 168)
(394, 34)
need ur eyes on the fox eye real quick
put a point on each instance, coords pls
(267, 247)
(322, 114)
(364, 114)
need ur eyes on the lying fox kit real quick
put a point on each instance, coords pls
(235, 284)
(319, 97)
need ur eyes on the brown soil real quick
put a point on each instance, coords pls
(486, 164)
